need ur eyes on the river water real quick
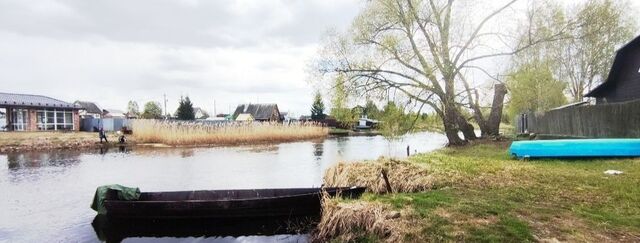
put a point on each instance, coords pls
(46, 195)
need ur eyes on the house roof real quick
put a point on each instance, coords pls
(580, 103)
(244, 117)
(258, 111)
(615, 69)
(28, 100)
(114, 113)
(90, 107)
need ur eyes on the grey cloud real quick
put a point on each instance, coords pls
(199, 23)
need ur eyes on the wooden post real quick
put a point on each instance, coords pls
(408, 151)
(386, 181)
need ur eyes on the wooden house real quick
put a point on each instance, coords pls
(623, 82)
(259, 112)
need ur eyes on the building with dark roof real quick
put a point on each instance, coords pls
(25, 112)
(623, 82)
(114, 113)
(89, 109)
(259, 112)
(200, 113)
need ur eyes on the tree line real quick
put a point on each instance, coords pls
(152, 110)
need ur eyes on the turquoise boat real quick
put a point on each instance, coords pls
(576, 148)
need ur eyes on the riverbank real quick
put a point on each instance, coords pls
(479, 193)
(43, 141)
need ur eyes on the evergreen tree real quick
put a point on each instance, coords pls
(185, 110)
(317, 109)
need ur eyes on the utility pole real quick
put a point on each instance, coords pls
(165, 107)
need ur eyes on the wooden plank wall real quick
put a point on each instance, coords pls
(619, 120)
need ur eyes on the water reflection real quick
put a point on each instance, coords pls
(116, 230)
(50, 191)
(18, 161)
(119, 149)
(187, 153)
(318, 149)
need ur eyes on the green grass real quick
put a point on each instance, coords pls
(484, 195)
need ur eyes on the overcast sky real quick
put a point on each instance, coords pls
(113, 51)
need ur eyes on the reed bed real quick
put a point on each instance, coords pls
(229, 133)
(353, 221)
(402, 175)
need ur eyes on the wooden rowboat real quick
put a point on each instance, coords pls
(225, 204)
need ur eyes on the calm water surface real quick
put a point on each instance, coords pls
(46, 195)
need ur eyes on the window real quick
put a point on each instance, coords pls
(54, 120)
(19, 119)
(41, 119)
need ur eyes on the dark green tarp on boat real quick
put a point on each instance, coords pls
(124, 193)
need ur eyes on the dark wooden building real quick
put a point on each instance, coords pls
(259, 112)
(623, 82)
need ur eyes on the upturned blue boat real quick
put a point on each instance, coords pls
(576, 148)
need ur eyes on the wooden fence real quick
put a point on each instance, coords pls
(619, 120)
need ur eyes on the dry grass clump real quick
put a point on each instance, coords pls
(193, 133)
(351, 222)
(403, 176)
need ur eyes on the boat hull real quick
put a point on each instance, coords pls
(225, 204)
(576, 148)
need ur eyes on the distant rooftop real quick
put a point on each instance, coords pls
(90, 107)
(257, 111)
(28, 100)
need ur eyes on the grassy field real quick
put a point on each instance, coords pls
(479, 194)
(177, 133)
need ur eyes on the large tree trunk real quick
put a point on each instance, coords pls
(450, 122)
(493, 123)
(466, 128)
(482, 124)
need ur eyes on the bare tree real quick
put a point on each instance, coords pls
(602, 27)
(421, 49)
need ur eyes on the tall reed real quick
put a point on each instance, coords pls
(227, 133)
